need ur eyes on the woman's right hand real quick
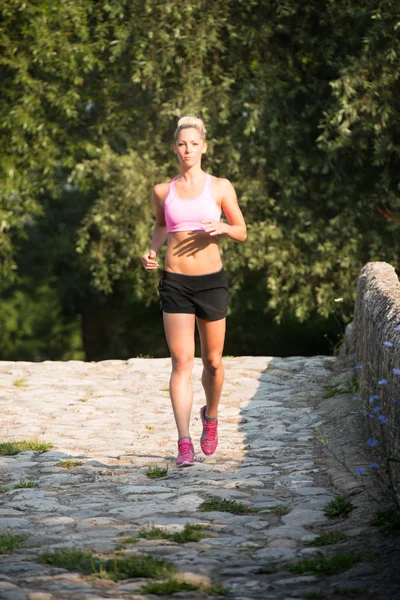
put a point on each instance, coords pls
(149, 261)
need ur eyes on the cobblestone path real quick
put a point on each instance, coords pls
(115, 418)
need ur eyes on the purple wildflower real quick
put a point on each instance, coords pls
(383, 419)
(396, 371)
(382, 382)
(388, 344)
(363, 412)
(376, 409)
(396, 400)
(372, 442)
(370, 416)
(373, 399)
(373, 465)
(359, 367)
(360, 470)
(356, 398)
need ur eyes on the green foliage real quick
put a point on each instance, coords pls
(387, 520)
(25, 484)
(156, 472)
(190, 533)
(326, 539)
(10, 542)
(172, 586)
(68, 464)
(321, 565)
(115, 569)
(224, 505)
(11, 448)
(338, 507)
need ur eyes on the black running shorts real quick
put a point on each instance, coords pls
(205, 296)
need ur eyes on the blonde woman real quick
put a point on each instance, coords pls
(194, 288)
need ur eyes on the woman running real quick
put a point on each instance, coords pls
(194, 287)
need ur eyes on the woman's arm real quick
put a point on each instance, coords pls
(160, 234)
(236, 229)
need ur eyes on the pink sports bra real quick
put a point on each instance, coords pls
(186, 215)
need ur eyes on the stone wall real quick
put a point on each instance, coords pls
(375, 342)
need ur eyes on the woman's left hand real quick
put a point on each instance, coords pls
(214, 227)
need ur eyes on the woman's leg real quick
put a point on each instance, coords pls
(179, 331)
(212, 337)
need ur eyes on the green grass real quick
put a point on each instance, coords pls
(333, 537)
(11, 448)
(68, 464)
(172, 586)
(3, 489)
(156, 472)
(338, 507)
(231, 506)
(333, 390)
(279, 511)
(10, 542)
(190, 533)
(20, 383)
(114, 569)
(24, 484)
(321, 565)
(387, 521)
(351, 386)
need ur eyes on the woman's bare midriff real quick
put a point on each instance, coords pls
(192, 253)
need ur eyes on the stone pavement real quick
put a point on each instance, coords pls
(115, 417)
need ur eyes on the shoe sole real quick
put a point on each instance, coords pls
(185, 464)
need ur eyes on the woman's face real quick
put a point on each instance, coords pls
(189, 146)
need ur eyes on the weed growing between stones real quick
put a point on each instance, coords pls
(350, 387)
(149, 427)
(114, 569)
(11, 448)
(24, 484)
(326, 539)
(3, 490)
(156, 472)
(190, 533)
(321, 565)
(172, 586)
(20, 383)
(388, 521)
(10, 542)
(313, 596)
(338, 507)
(223, 505)
(68, 464)
(279, 511)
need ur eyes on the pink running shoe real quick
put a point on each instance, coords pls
(185, 453)
(209, 437)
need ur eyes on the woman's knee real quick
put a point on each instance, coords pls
(212, 363)
(183, 363)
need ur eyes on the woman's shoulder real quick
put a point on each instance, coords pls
(160, 190)
(220, 184)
